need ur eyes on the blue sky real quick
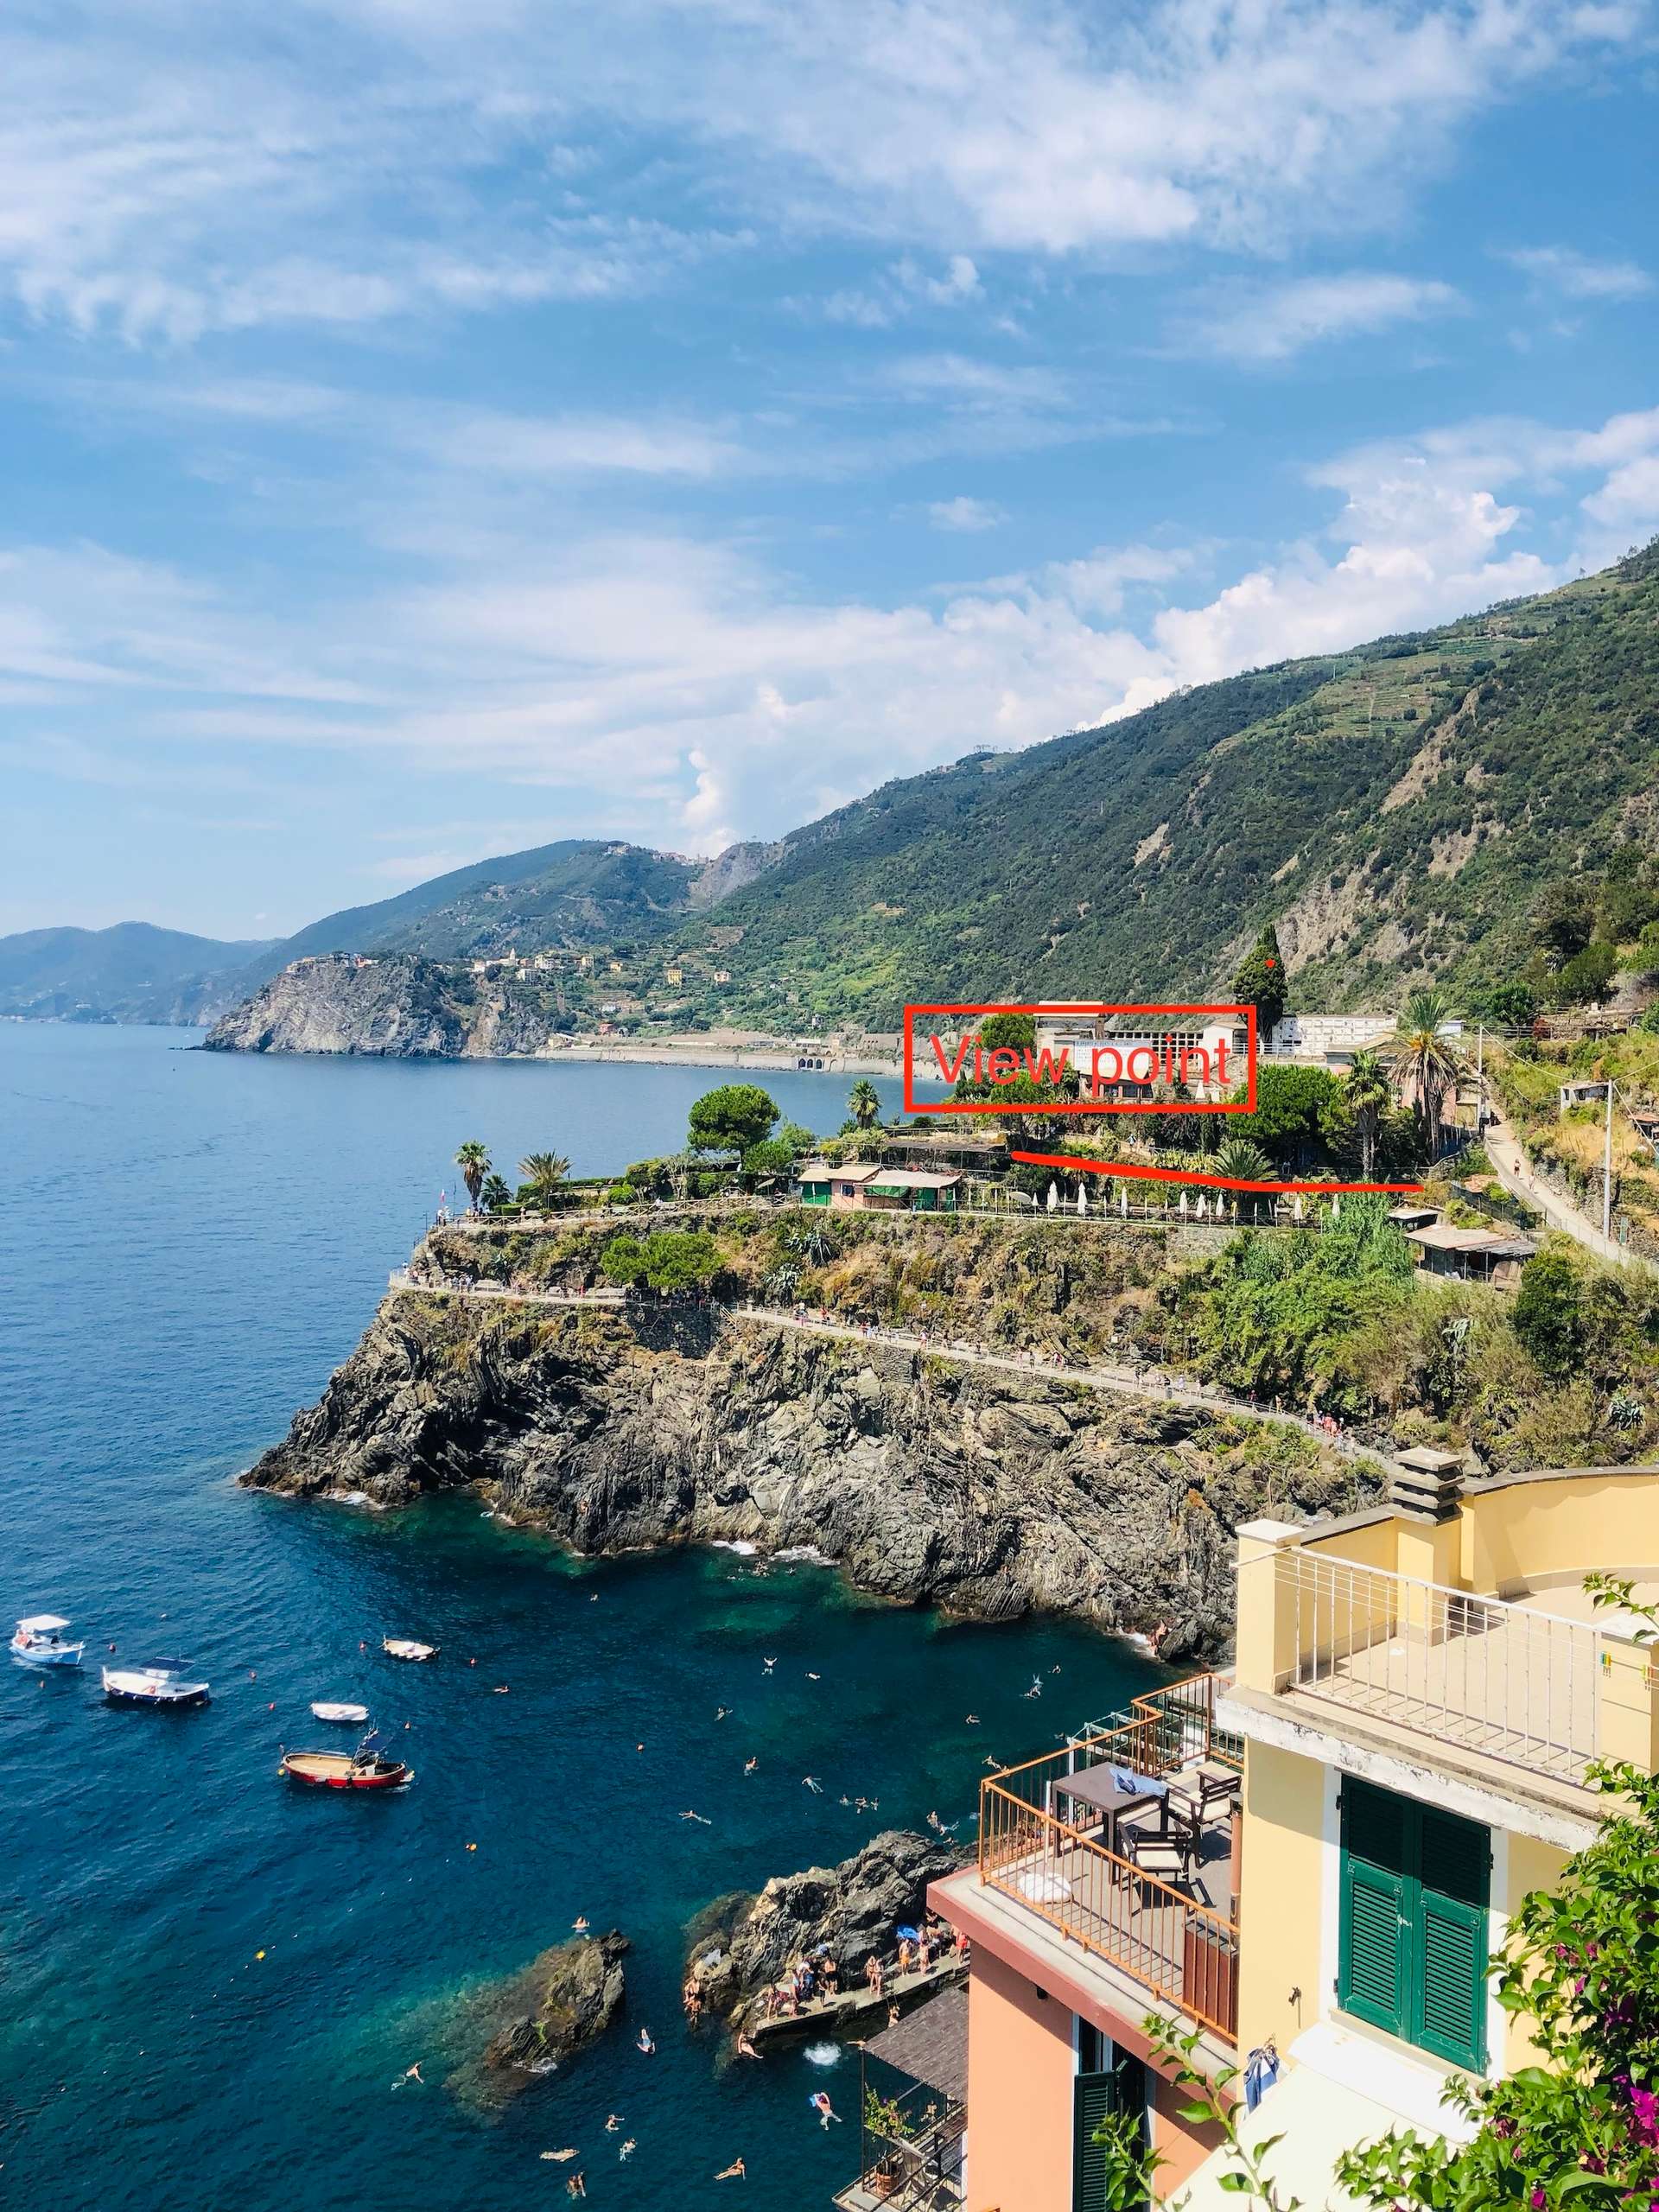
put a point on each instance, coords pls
(429, 430)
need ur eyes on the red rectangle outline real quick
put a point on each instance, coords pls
(1245, 1105)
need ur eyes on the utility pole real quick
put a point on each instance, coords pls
(1480, 1083)
(1607, 1169)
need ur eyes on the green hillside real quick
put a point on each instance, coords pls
(579, 892)
(131, 972)
(1396, 810)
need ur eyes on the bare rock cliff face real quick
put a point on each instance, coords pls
(401, 1007)
(925, 1479)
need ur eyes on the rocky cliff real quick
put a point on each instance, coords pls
(401, 1006)
(923, 1477)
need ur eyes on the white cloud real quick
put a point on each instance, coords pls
(901, 291)
(1276, 324)
(1578, 275)
(687, 694)
(963, 513)
(382, 161)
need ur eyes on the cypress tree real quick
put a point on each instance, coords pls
(1260, 982)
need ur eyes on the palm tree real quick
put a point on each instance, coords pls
(864, 1103)
(495, 1195)
(1242, 1161)
(473, 1162)
(1368, 1094)
(1421, 1062)
(544, 1172)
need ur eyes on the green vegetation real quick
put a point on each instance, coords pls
(864, 1104)
(1260, 982)
(733, 1119)
(1424, 1065)
(668, 1260)
(544, 1172)
(1276, 1316)
(474, 1161)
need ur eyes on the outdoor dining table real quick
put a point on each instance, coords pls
(1097, 1787)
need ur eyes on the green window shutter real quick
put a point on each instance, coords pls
(1451, 1986)
(1414, 1935)
(1374, 1966)
(1093, 2096)
(1454, 1870)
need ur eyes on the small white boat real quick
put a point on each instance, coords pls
(405, 1647)
(38, 1641)
(355, 1713)
(159, 1682)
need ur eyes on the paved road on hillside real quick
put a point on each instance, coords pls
(1515, 1171)
(1151, 1383)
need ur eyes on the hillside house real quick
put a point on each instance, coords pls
(1490, 1255)
(862, 1187)
(1129, 1057)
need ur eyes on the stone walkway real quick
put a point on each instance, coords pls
(1149, 1382)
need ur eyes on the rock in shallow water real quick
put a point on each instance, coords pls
(543, 2016)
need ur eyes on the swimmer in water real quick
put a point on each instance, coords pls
(644, 2042)
(820, 2103)
(749, 1765)
(735, 2172)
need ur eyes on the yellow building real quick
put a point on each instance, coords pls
(1311, 1859)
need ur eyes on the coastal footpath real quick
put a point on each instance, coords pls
(988, 1491)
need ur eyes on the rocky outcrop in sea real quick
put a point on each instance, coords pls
(538, 2018)
(924, 1477)
(742, 1944)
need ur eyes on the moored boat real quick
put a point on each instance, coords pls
(325, 1710)
(405, 1647)
(38, 1641)
(160, 1683)
(365, 1768)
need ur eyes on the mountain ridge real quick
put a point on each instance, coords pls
(1393, 808)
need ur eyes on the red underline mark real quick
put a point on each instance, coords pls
(1184, 1175)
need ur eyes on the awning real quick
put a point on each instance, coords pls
(1319, 2114)
(931, 2044)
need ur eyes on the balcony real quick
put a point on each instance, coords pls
(1077, 1863)
(1460, 1637)
(1507, 1681)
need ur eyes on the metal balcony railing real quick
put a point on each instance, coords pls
(1166, 1935)
(1488, 1676)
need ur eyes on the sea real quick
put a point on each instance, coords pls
(213, 1985)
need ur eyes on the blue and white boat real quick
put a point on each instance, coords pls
(39, 1642)
(159, 1682)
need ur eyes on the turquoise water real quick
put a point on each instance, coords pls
(191, 1242)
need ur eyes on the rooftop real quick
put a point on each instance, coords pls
(1443, 1236)
(1463, 1642)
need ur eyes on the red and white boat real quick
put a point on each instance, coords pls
(364, 1769)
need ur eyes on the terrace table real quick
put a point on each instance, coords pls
(1095, 1788)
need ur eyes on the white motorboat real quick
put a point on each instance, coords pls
(354, 1714)
(39, 1642)
(405, 1647)
(159, 1683)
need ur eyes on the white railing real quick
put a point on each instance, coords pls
(1490, 1676)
